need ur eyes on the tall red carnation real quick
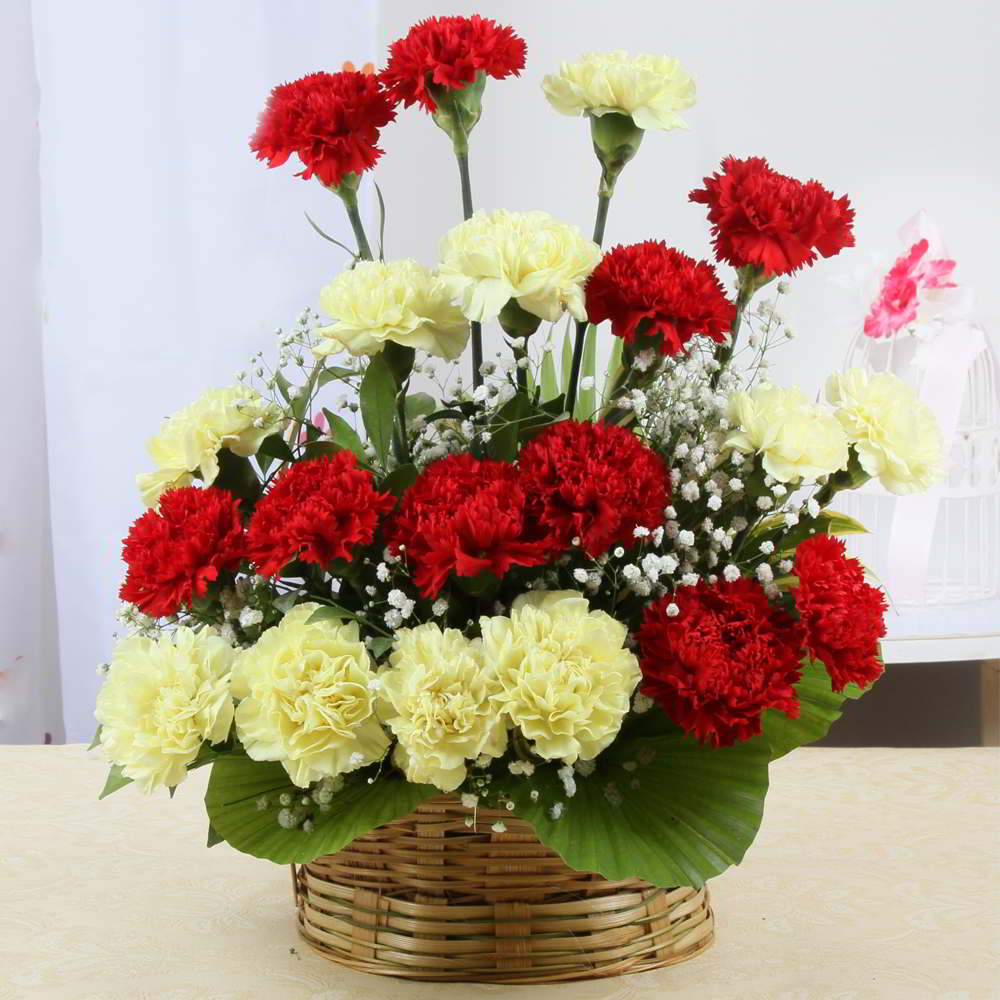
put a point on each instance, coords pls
(665, 291)
(465, 516)
(449, 52)
(317, 510)
(764, 219)
(842, 614)
(331, 120)
(174, 553)
(593, 481)
(727, 655)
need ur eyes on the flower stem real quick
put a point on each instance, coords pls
(603, 201)
(476, 327)
(349, 196)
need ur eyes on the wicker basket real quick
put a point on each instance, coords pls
(428, 897)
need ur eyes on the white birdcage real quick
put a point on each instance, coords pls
(942, 547)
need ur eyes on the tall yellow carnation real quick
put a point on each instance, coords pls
(161, 700)
(236, 418)
(435, 697)
(649, 89)
(565, 678)
(896, 437)
(398, 301)
(528, 256)
(305, 698)
(796, 439)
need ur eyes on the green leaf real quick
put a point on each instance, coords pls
(419, 404)
(344, 434)
(614, 365)
(96, 741)
(329, 239)
(115, 781)
(378, 402)
(400, 361)
(275, 446)
(503, 443)
(237, 783)
(213, 837)
(379, 645)
(400, 479)
(664, 808)
(820, 707)
(586, 399)
(237, 475)
(548, 377)
(381, 222)
(333, 373)
(321, 449)
(567, 357)
(332, 613)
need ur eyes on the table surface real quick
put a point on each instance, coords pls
(875, 875)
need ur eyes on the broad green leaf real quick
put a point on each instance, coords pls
(378, 403)
(510, 416)
(96, 741)
(237, 475)
(332, 613)
(238, 783)
(213, 837)
(400, 479)
(335, 374)
(286, 602)
(567, 357)
(275, 446)
(819, 708)
(664, 808)
(379, 645)
(549, 380)
(321, 449)
(344, 434)
(419, 404)
(115, 781)
(586, 399)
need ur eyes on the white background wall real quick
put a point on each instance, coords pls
(169, 255)
(892, 102)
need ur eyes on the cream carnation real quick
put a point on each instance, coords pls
(161, 700)
(304, 698)
(649, 89)
(565, 678)
(236, 418)
(796, 439)
(896, 437)
(528, 256)
(400, 301)
(435, 697)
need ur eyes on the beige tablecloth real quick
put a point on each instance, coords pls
(875, 875)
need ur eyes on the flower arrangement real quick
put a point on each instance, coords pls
(591, 603)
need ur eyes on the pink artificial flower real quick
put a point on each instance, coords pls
(899, 296)
(319, 422)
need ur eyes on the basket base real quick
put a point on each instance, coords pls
(435, 898)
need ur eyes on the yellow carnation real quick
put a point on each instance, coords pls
(896, 437)
(649, 89)
(528, 256)
(435, 697)
(305, 698)
(400, 301)
(161, 700)
(565, 678)
(236, 418)
(796, 439)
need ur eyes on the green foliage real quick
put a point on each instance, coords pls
(213, 837)
(96, 741)
(237, 475)
(419, 404)
(400, 479)
(345, 435)
(659, 807)
(820, 707)
(566, 363)
(115, 781)
(378, 404)
(238, 783)
(586, 399)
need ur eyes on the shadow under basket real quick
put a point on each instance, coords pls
(428, 897)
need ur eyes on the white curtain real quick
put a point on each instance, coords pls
(169, 256)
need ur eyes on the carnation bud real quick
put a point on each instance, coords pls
(458, 110)
(616, 140)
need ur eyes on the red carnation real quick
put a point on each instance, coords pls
(465, 516)
(174, 553)
(650, 288)
(449, 52)
(724, 658)
(842, 614)
(331, 120)
(596, 482)
(770, 221)
(316, 511)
